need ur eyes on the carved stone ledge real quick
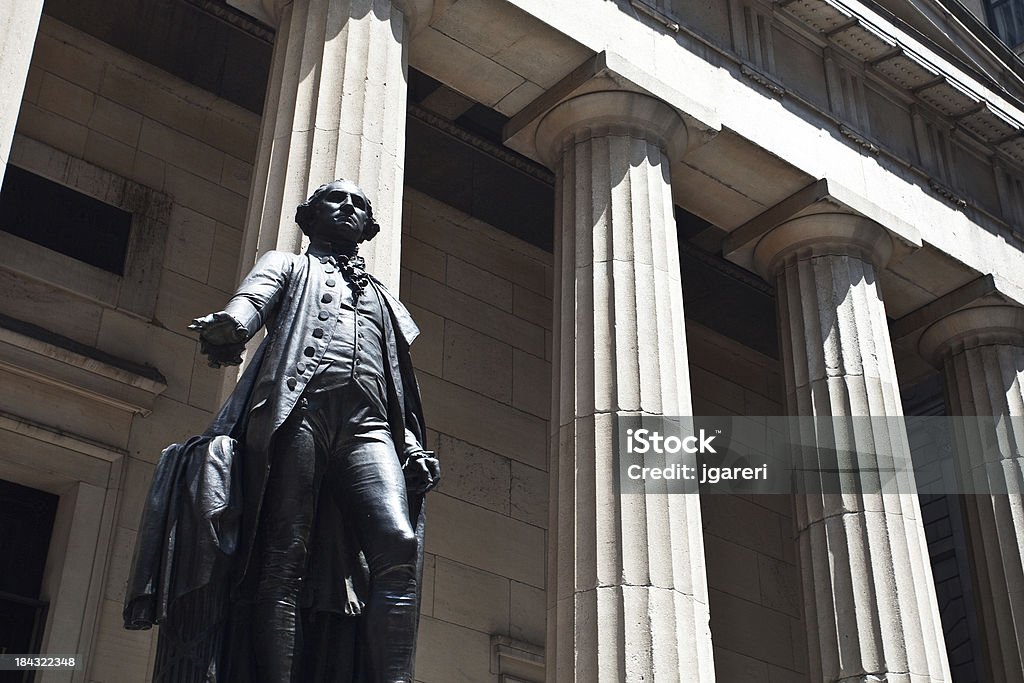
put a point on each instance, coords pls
(654, 13)
(516, 161)
(46, 357)
(15, 424)
(516, 661)
(236, 18)
(859, 139)
(764, 81)
(947, 193)
(871, 39)
(727, 268)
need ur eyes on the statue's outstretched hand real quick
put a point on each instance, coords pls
(219, 328)
(422, 472)
(222, 338)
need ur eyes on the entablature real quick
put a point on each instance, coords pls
(915, 69)
(868, 58)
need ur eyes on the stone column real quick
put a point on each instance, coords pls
(627, 590)
(981, 353)
(335, 108)
(19, 24)
(869, 600)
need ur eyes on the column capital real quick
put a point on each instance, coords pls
(417, 12)
(611, 112)
(841, 218)
(972, 327)
(820, 234)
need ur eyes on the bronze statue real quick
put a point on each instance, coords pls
(286, 543)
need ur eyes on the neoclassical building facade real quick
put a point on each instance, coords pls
(593, 208)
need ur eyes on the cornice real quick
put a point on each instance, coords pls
(902, 62)
(726, 268)
(514, 160)
(236, 18)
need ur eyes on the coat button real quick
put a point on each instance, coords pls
(330, 282)
(318, 333)
(328, 269)
(327, 298)
(291, 383)
(324, 315)
(309, 351)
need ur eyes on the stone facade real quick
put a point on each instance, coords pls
(592, 209)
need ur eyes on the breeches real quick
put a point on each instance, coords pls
(336, 444)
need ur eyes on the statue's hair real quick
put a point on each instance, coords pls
(305, 212)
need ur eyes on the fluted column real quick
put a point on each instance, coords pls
(19, 25)
(335, 108)
(869, 600)
(981, 353)
(627, 590)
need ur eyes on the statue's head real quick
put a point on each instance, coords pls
(339, 213)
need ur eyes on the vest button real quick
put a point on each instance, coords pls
(309, 351)
(318, 333)
(324, 315)
(291, 383)
(327, 298)
(330, 282)
(301, 367)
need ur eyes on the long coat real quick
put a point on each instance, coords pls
(281, 293)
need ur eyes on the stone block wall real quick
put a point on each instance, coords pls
(754, 585)
(482, 298)
(483, 302)
(127, 120)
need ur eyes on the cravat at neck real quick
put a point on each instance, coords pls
(353, 269)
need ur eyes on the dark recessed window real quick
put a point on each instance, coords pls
(1006, 19)
(26, 524)
(69, 222)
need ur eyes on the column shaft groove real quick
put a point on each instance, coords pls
(628, 598)
(981, 352)
(335, 108)
(869, 599)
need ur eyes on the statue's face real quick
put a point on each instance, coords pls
(341, 214)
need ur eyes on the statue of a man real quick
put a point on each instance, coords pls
(331, 459)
